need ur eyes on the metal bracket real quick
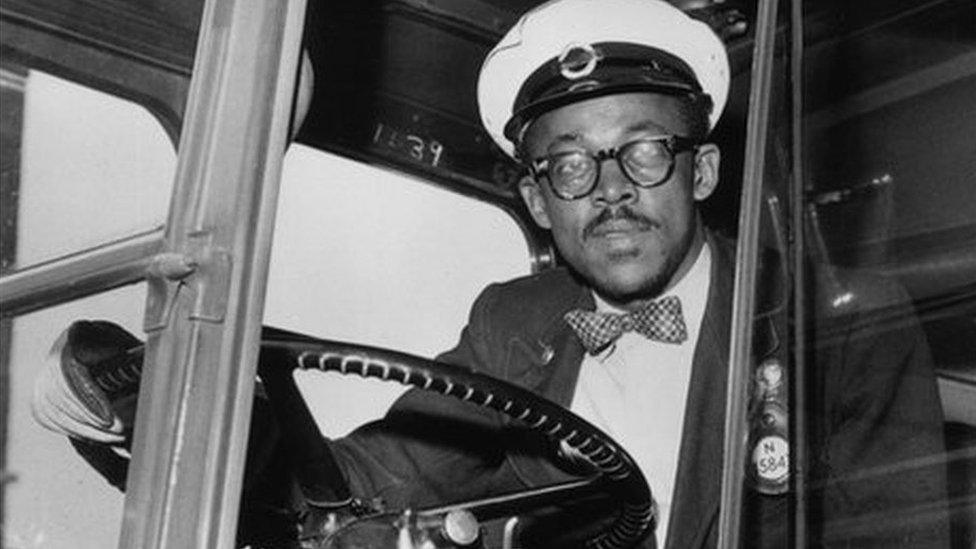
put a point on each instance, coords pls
(168, 274)
(165, 276)
(213, 279)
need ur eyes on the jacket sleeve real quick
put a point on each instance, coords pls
(430, 448)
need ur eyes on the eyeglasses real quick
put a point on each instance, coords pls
(647, 162)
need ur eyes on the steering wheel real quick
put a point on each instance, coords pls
(618, 476)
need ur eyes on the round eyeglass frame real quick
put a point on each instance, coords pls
(673, 144)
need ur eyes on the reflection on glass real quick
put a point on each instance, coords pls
(94, 168)
(52, 497)
(889, 211)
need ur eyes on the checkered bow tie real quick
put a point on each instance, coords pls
(660, 320)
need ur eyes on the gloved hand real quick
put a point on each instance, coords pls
(88, 386)
(87, 390)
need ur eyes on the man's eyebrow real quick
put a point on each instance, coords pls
(643, 125)
(564, 137)
(567, 137)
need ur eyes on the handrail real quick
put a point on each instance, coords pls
(79, 274)
(743, 297)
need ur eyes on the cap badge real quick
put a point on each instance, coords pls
(577, 61)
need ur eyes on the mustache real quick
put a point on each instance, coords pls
(623, 213)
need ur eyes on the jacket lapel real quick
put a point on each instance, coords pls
(699, 475)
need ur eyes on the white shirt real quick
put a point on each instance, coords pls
(636, 389)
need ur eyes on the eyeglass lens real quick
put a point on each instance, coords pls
(646, 163)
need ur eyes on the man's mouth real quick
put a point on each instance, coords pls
(618, 228)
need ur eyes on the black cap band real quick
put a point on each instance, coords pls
(587, 71)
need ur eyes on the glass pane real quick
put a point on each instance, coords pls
(890, 231)
(52, 497)
(375, 257)
(94, 168)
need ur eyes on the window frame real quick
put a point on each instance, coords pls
(207, 269)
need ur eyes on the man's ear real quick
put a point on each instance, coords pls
(535, 201)
(707, 160)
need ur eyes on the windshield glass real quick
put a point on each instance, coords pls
(888, 300)
(57, 491)
(94, 169)
(372, 256)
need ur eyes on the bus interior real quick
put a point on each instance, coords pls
(326, 166)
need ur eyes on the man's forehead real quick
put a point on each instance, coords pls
(606, 117)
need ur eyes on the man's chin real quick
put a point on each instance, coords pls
(623, 290)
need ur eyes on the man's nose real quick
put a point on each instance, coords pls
(613, 186)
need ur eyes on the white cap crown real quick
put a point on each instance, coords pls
(546, 33)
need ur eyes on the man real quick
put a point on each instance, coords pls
(609, 105)
(610, 116)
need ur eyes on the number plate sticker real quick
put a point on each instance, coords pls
(771, 458)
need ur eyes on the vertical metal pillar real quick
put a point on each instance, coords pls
(206, 294)
(744, 292)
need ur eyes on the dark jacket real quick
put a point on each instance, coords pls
(872, 393)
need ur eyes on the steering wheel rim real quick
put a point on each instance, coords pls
(598, 450)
